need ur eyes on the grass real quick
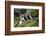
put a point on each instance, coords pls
(29, 23)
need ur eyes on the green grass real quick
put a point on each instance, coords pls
(29, 23)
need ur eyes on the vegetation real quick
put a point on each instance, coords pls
(35, 13)
(30, 23)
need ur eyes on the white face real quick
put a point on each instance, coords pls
(25, 28)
